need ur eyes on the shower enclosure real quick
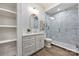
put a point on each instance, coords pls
(62, 26)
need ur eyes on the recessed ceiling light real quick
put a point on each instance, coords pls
(58, 9)
(52, 18)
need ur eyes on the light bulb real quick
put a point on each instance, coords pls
(52, 18)
(58, 9)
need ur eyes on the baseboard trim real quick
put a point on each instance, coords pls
(65, 46)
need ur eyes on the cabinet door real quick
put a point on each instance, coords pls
(41, 45)
(28, 45)
(39, 42)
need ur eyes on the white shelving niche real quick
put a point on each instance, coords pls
(8, 29)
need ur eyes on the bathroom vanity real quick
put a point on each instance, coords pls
(32, 42)
(30, 37)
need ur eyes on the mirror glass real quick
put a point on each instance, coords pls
(34, 23)
(35, 26)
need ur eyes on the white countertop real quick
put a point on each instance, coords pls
(27, 34)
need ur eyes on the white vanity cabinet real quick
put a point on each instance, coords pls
(32, 43)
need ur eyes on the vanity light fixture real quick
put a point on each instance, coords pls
(33, 10)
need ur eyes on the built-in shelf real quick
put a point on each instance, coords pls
(7, 41)
(12, 26)
(7, 12)
(8, 29)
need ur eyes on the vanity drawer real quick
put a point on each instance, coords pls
(28, 38)
(28, 50)
(25, 38)
(28, 43)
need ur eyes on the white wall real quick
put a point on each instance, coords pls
(26, 13)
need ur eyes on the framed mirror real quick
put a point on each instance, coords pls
(34, 23)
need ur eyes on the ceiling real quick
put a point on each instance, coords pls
(47, 6)
(60, 7)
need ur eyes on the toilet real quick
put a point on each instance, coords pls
(48, 42)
